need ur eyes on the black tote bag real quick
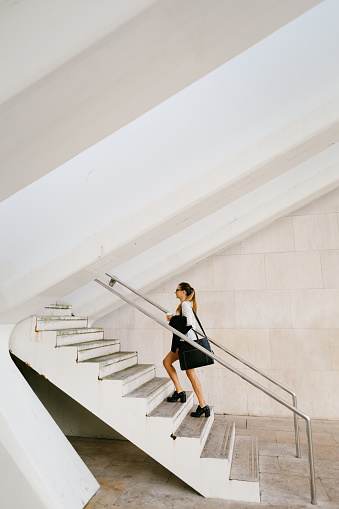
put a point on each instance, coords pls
(190, 357)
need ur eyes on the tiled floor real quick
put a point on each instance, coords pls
(129, 478)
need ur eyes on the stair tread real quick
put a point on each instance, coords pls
(70, 332)
(245, 459)
(54, 323)
(93, 345)
(148, 388)
(129, 372)
(58, 306)
(55, 310)
(219, 440)
(114, 357)
(61, 318)
(193, 427)
(170, 410)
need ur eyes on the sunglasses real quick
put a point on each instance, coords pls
(178, 290)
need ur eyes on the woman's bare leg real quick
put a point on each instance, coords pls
(167, 362)
(192, 376)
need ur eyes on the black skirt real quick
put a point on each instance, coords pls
(175, 344)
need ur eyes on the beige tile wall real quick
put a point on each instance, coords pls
(274, 300)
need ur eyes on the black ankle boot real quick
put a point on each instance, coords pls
(175, 396)
(199, 411)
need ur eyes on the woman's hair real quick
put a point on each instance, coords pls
(190, 292)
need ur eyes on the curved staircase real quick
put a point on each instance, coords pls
(129, 397)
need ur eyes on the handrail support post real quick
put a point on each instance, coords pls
(296, 429)
(311, 460)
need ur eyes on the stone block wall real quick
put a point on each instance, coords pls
(273, 299)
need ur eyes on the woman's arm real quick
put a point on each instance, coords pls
(186, 310)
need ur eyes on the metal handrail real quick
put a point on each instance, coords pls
(234, 370)
(115, 279)
(272, 380)
(229, 352)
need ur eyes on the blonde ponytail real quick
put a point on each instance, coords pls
(190, 292)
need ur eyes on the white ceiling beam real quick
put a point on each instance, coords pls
(151, 57)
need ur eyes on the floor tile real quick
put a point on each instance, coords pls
(325, 426)
(332, 488)
(240, 421)
(321, 504)
(278, 488)
(109, 492)
(288, 437)
(277, 449)
(327, 468)
(95, 464)
(153, 473)
(269, 464)
(142, 495)
(325, 452)
(261, 434)
(273, 424)
(259, 419)
(294, 466)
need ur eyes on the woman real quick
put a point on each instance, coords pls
(186, 294)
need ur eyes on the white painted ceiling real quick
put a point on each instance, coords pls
(37, 36)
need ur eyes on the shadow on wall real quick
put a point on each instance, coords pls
(72, 418)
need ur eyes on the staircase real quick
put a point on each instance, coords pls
(129, 397)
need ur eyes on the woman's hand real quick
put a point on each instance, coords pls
(169, 316)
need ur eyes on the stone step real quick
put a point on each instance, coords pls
(154, 391)
(56, 310)
(175, 411)
(60, 322)
(114, 362)
(97, 349)
(97, 344)
(133, 377)
(245, 459)
(220, 441)
(195, 427)
(73, 337)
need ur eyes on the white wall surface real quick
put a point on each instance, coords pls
(39, 36)
(273, 299)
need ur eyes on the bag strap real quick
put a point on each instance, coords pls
(201, 327)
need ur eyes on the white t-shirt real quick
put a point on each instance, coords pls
(186, 310)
